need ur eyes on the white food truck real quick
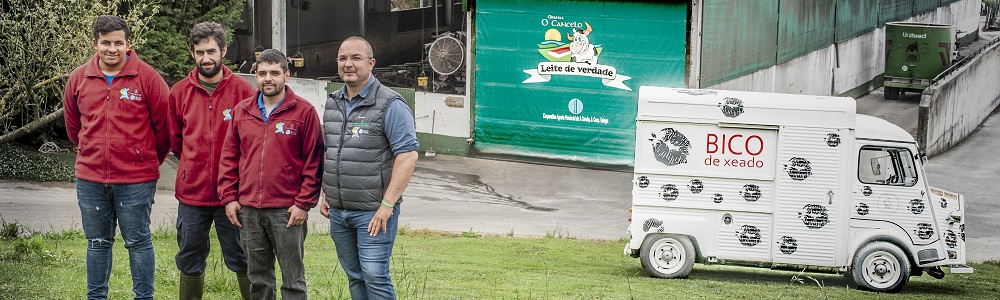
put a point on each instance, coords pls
(785, 182)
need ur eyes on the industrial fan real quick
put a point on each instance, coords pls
(446, 56)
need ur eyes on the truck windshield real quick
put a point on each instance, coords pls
(887, 166)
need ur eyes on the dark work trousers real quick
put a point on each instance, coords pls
(266, 238)
(193, 225)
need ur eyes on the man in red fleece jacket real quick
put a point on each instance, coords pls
(269, 177)
(201, 107)
(116, 114)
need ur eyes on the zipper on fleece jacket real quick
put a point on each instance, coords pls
(107, 145)
(263, 153)
(211, 140)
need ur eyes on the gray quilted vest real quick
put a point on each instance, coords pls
(359, 160)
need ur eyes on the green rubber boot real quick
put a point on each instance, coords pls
(244, 281)
(192, 286)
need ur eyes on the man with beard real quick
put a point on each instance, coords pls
(269, 178)
(116, 114)
(201, 108)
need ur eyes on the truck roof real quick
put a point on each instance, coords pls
(874, 128)
(765, 109)
(739, 107)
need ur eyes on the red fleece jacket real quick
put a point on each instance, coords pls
(274, 164)
(198, 125)
(120, 130)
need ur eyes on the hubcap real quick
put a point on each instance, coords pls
(668, 256)
(881, 269)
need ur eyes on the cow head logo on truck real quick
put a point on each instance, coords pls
(696, 186)
(670, 147)
(916, 206)
(788, 245)
(669, 192)
(643, 181)
(924, 231)
(732, 108)
(863, 209)
(751, 192)
(814, 216)
(717, 198)
(798, 168)
(749, 236)
(951, 239)
(833, 140)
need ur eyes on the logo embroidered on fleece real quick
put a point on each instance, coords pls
(280, 128)
(134, 95)
(227, 114)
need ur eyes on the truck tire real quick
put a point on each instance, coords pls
(880, 267)
(667, 255)
(891, 93)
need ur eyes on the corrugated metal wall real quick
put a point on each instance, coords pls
(740, 37)
(855, 17)
(808, 28)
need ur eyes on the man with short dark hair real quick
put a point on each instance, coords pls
(369, 163)
(201, 107)
(269, 178)
(116, 114)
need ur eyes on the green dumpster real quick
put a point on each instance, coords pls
(915, 53)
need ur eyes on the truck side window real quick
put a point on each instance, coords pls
(886, 166)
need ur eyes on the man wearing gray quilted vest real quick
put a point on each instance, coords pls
(372, 149)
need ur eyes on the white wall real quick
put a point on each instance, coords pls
(805, 75)
(953, 108)
(860, 59)
(310, 89)
(447, 120)
(454, 120)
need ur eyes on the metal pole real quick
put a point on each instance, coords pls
(361, 18)
(278, 25)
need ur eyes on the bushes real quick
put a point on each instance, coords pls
(17, 164)
(44, 40)
(166, 46)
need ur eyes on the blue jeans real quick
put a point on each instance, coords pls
(266, 238)
(364, 258)
(193, 226)
(128, 205)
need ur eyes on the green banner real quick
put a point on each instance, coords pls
(559, 79)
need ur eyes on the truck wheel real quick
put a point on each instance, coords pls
(667, 255)
(891, 93)
(880, 267)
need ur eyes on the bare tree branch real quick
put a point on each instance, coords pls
(30, 127)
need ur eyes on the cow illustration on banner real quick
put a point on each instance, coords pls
(578, 57)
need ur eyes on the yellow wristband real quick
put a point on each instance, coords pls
(387, 204)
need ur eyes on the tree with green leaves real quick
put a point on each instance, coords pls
(44, 40)
(166, 47)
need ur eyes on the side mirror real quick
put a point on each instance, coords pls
(923, 158)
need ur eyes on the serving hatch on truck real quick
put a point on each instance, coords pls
(786, 182)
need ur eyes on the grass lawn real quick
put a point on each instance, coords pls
(434, 265)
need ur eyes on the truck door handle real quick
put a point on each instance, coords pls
(829, 195)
